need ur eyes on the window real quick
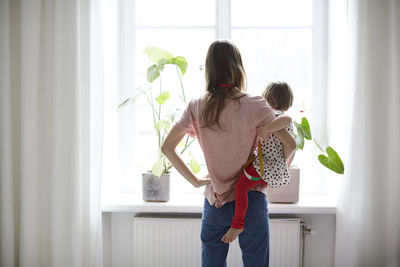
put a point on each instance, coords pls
(279, 40)
(183, 28)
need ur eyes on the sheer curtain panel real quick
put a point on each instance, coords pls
(368, 217)
(51, 133)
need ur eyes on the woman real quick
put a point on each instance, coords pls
(226, 122)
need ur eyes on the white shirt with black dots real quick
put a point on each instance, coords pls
(276, 172)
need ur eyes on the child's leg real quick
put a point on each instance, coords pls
(243, 185)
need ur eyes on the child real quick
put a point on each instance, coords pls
(268, 165)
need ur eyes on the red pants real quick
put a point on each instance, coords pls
(242, 186)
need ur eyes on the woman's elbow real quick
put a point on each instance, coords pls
(291, 146)
(165, 149)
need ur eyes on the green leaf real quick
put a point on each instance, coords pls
(129, 100)
(332, 161)
(194, 165)
(299, 128)
(162, 125)
(156, 54)
(162, 63)
(152, 73)
(306, 128)
(299, 141)
(164, 96)
(157, 169)
(124, 103)
(181, 63)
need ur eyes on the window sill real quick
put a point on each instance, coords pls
(193, 203)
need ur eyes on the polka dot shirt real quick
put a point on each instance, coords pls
(276, 172)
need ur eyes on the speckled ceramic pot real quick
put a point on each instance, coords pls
(155, 188)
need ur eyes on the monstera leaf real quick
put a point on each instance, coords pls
(156, 54)
(180, 62)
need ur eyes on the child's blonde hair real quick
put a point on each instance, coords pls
(279, 96)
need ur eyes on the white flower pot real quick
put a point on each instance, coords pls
(155, 188)
(288, 193)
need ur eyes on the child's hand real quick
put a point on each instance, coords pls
(264, 134)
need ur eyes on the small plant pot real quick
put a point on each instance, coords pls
(288, 193)
(155, 189)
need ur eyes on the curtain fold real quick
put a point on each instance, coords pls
(368, 217)
(51, 133)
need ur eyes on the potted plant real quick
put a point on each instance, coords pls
(331, 160)
(156, 183)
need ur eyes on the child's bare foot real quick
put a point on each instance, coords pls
(231, 235)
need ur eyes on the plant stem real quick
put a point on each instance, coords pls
(168, 168)
(316, 143)
(186, 146)
(180, 80)
(159, 118)
(159, 105)
(164, 135)
(187, 139)
(152, 106)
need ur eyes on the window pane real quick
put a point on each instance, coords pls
(191, 44)
(271, 13)
(277, 55)
(282, 55)
(175, 13)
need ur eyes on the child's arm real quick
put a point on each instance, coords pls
(289, 144)
(277, 124)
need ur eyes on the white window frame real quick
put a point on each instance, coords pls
(126, 64)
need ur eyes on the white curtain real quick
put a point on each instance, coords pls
(368, 217)
(51, 131)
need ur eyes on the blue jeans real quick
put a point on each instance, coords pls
(253, 241)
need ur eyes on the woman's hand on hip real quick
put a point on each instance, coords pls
(202, 181)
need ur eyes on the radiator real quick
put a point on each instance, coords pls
(174, 241)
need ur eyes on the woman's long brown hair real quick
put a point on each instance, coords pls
(223, 66)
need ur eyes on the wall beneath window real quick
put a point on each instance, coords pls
(118, 233)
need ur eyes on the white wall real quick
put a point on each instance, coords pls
(118, 234)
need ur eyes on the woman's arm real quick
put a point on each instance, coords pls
(168, 148)
(289, 144)
(290, 159)
(277, 124)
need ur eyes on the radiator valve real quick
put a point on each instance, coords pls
(306, 231)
